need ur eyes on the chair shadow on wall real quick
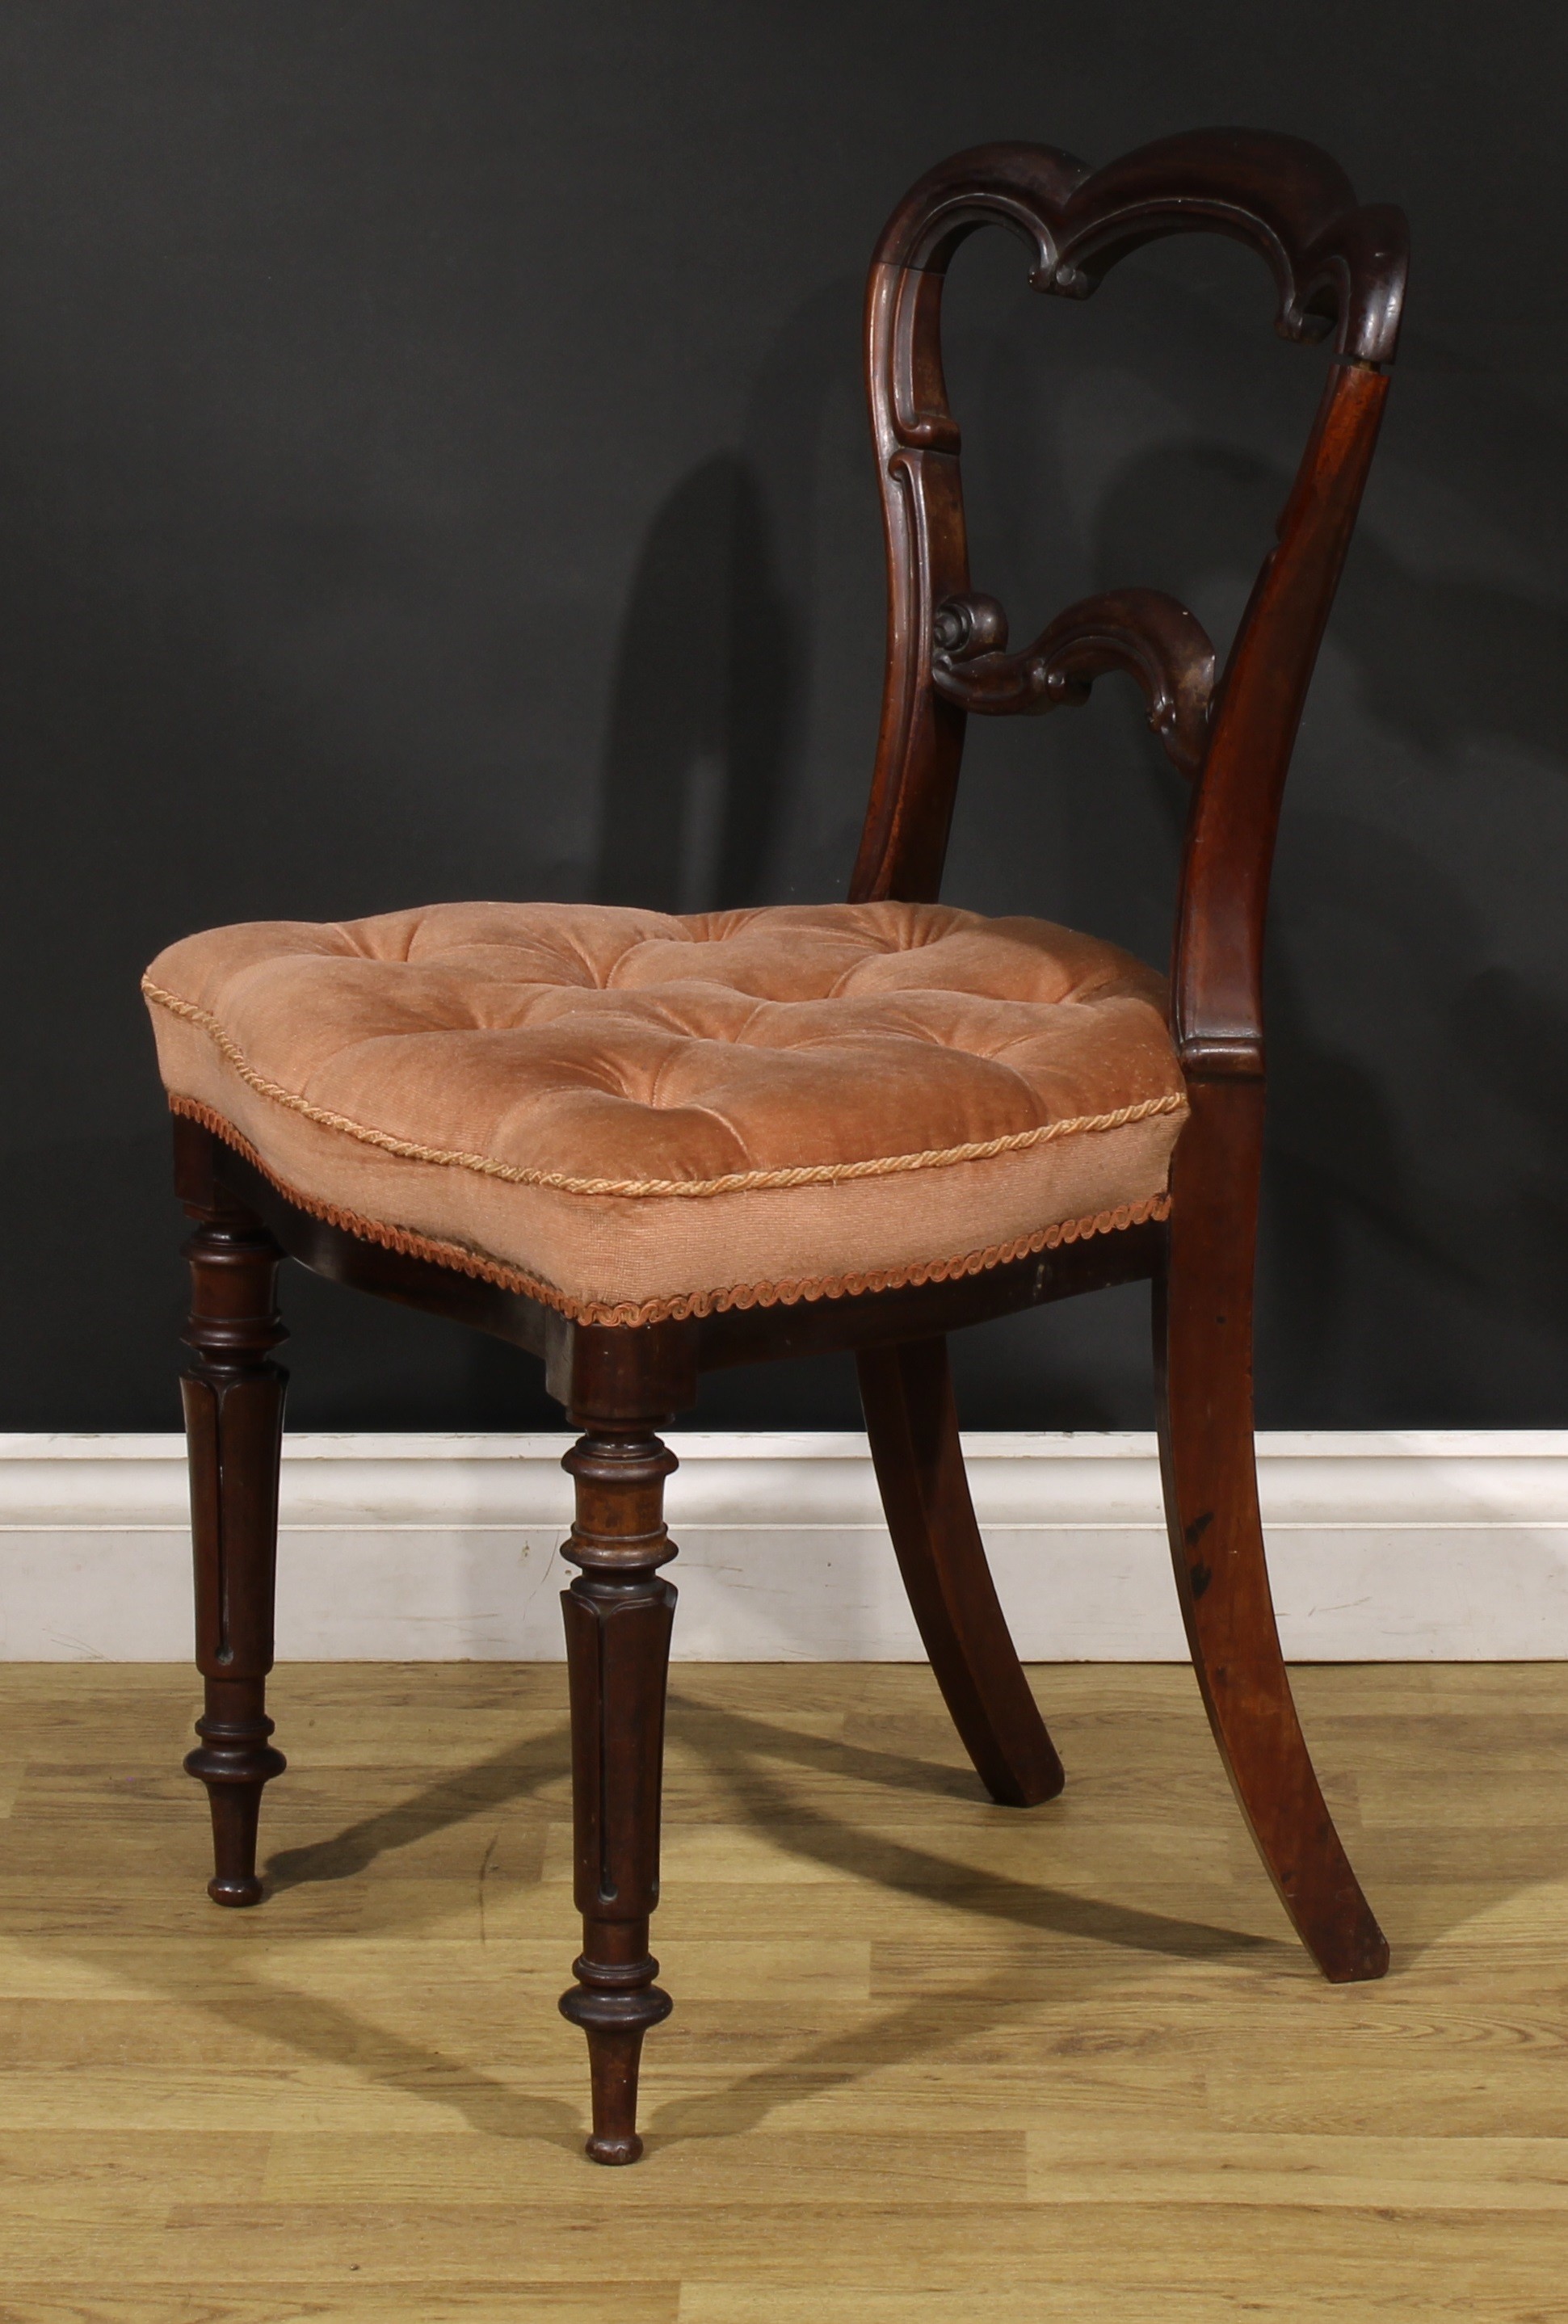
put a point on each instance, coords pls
(710, 687)
(695, 752)
(702, 703)
(708, 699)
(1434, 659)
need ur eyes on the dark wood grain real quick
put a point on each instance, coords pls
(1339, 269)
(619, 1613)
(203, 1161)
(1203, 1375)
(1155, 640)
(1222, 900)
(233, 1422)
(920, 1310)
(912, 1423)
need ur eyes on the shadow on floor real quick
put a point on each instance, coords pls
(747, 1754)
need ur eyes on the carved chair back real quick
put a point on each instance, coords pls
(1340, 267)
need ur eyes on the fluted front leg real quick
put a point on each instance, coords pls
(234, 1426)
(619, 1613)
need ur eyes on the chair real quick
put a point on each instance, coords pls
(643, 1146)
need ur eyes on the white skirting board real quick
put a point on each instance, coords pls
(1383, 1546)
(1412, 1546)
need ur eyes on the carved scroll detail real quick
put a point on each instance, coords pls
(1143, 631)
(1339, 269)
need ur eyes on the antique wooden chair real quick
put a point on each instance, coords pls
(642, 1147)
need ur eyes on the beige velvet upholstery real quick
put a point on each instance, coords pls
(633, 1115)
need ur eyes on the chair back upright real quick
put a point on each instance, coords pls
(1340, 267)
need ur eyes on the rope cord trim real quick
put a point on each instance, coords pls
(677, 1307)
(735, 1182)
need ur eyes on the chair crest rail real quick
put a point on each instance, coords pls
(1339, 267)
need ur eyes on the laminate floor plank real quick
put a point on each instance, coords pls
(933, 2062)
(348, 2301)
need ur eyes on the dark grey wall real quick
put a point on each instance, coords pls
(432, 463)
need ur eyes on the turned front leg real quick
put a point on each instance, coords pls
(619, 1612)
(234, 1425)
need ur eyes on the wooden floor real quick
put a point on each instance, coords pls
(932, 2062)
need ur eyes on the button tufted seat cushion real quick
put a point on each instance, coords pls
(632, 1115)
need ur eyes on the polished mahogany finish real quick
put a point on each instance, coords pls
(234, 1425)
(912, 1424)
(1155, 640)
(619, 1614)
(1339, 268)
(1203, 1338)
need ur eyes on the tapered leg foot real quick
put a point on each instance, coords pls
(615, 2019)
(912, 1423)
(236, 1762)
(619, 1612)
(234, 1421)
(1203, 1360)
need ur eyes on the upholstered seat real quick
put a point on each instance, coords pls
(880, 1107)
(632, 1115)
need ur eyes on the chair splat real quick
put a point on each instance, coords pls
(1144, 631)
